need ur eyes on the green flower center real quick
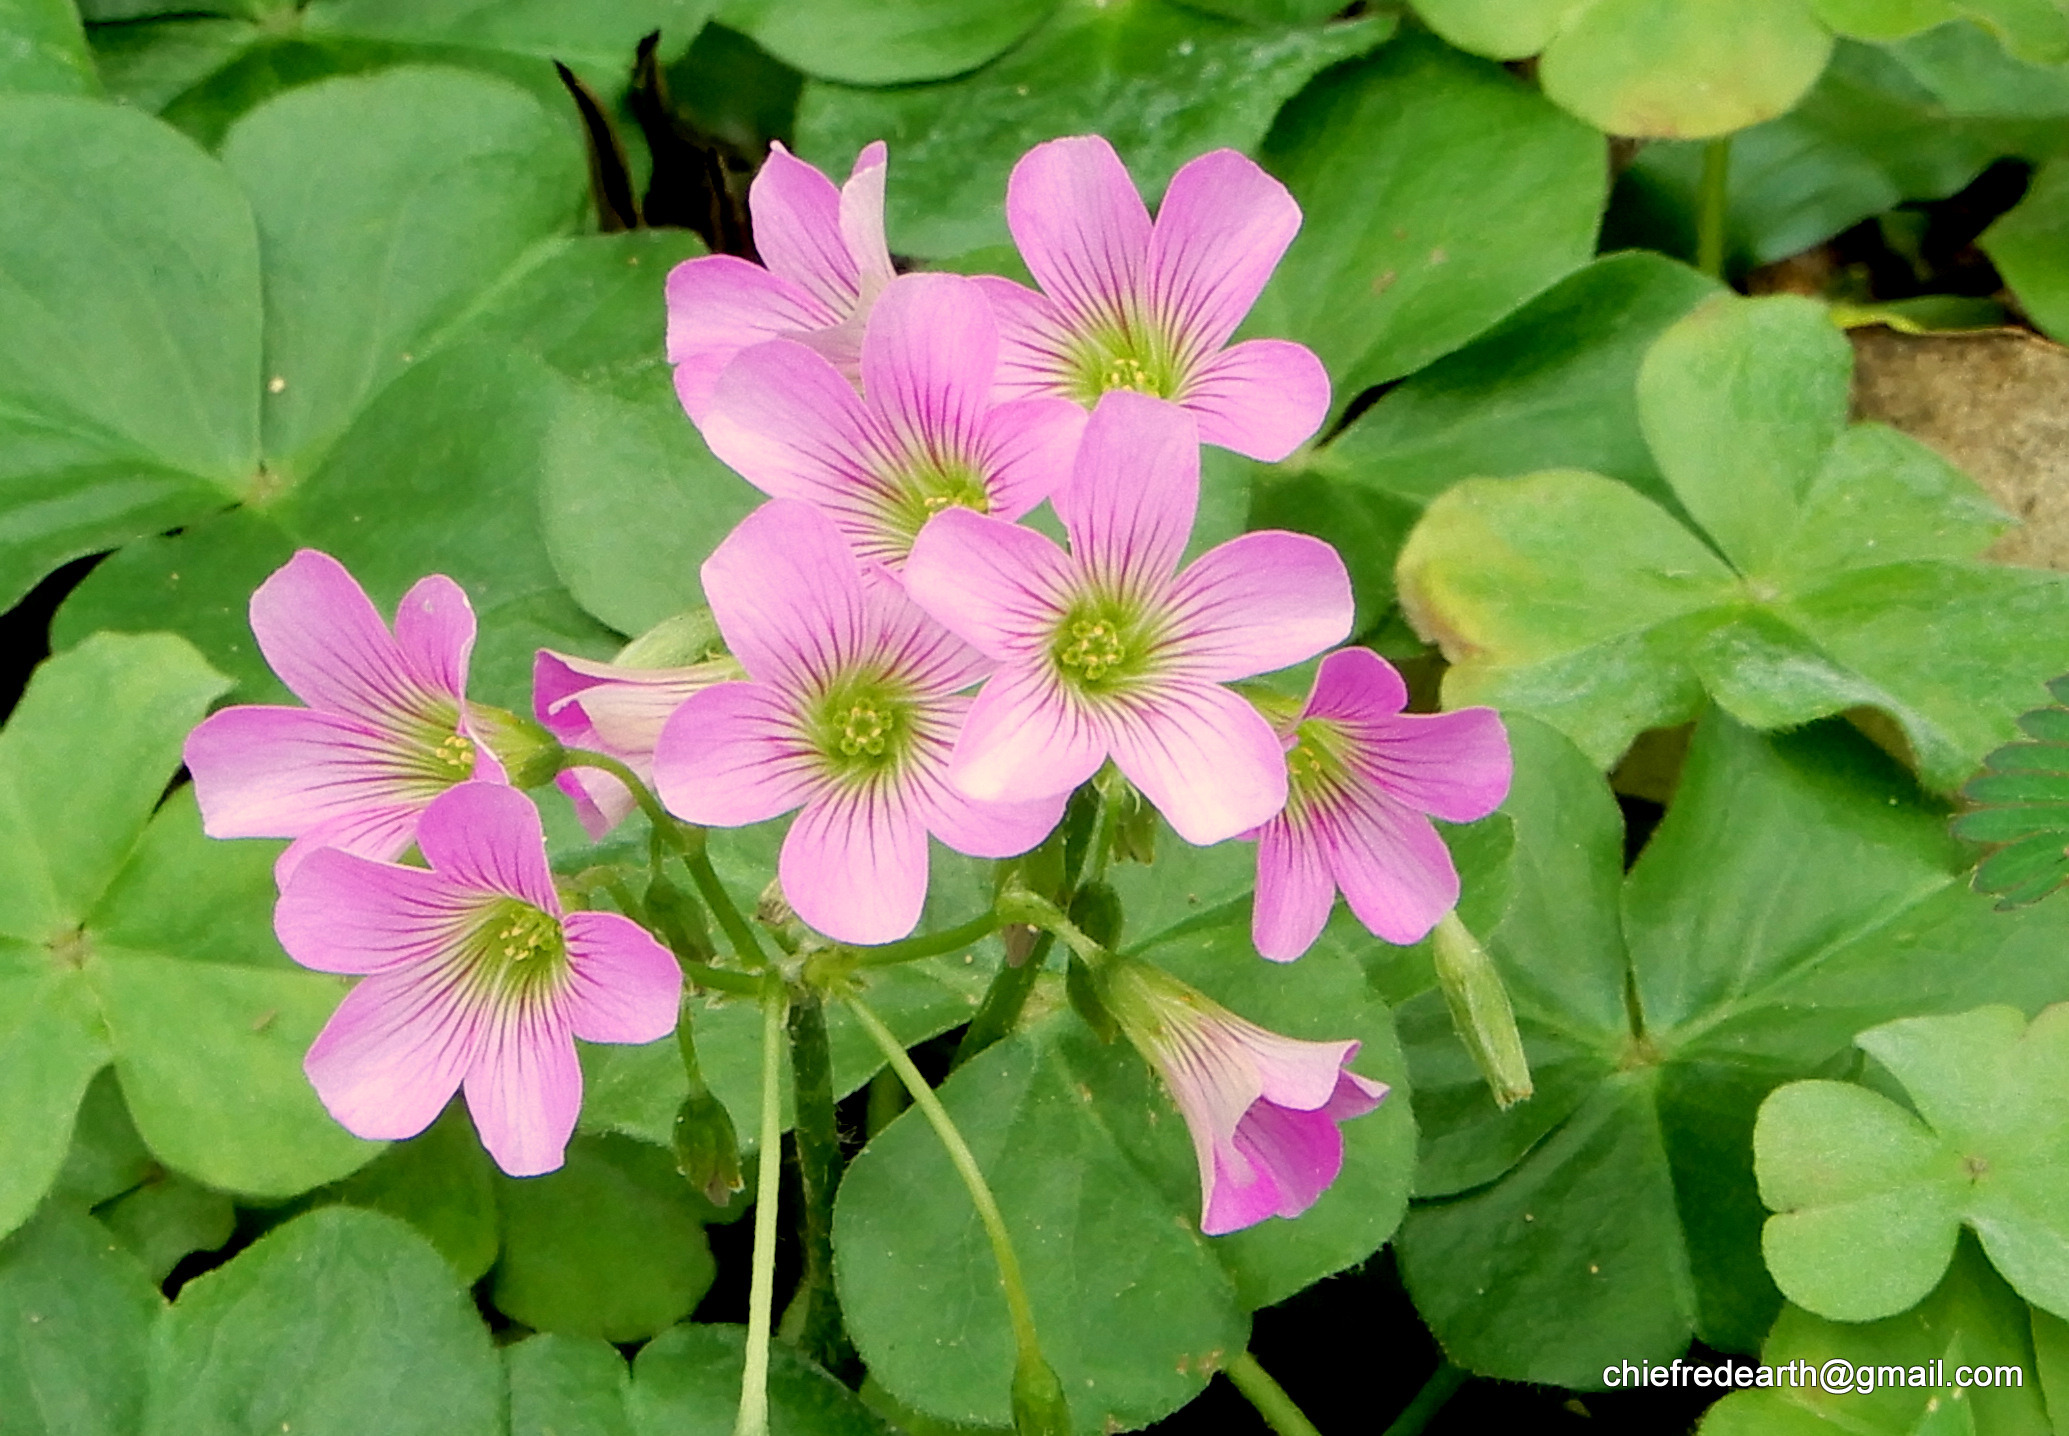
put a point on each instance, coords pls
(1119, 358)
(454, 757)
(519, 950)
(924, 488)
(1102, 647)
(863, 726)
(1316, 768)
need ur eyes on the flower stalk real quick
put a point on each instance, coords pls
(761, 1292)
(1039, 1406)
(813, 1320)
(1480, 1011)
(1272, 1403)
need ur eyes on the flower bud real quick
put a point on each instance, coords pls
(1039, 1406)
(531, 756)
(1480, 1011)
(707, 1151)
(681, 641)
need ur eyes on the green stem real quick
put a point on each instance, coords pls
(1442, 1385)
(1103, 825)
(1039, 912)
(816, 1309)
(761, 1291)
(1713, 204)
(746, 946)
(1003, 1001)
(664, 821)
(703, 974)
(929, 944)
(1270, 1398)
(1017, 1307)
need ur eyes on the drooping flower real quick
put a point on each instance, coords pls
(1361, 776)
(470, 975)
(923, 434)
(1263, 1109)
(1131, 304)
(385, 731)
(615, 709)
(851, 713)
(826, 264)
(1109, 650)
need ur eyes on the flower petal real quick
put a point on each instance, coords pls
(797, 230)
(732, 756)
(1394, 870)
(1026, 450)
(623, 986)
(905, 641)
(1220, 231)
(524, 1088)
(1035, 342)
(927, 362)
(1294, 891)
(854, 865)
(340, 913)
(1263, 398)
(1259, 602)
(787, 594)
(377, 832)
(1205, 758)
(488, 838)
(1025, 740)
(862, 219)
(1001, 588)
(393, 1054)
(980, 829)
(1133, 492)
(1080, 225)
(1289, 1159)
(322, 635)
(434, 628)
(1355, 685)
(601, 802)
(270, 772)
(1455, 765)
(719, 305)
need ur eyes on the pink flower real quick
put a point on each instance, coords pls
(471, 974)
(1263, 1109)
(1128, 304)
(1108, 650)
(1361, 774)
(826, 260)
(922, 436)
(851, 713)
(617, 710)
(385, 731)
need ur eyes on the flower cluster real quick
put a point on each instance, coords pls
(900, 658)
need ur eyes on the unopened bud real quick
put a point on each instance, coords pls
(682, 641)
(707, 1150)
(1480, 1011)
(1085, 999)
(1039, 1407)
(531, 757)
(678, 919)
(1097, 912)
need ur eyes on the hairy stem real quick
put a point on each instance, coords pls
(816, 1309)
(1003, 1001)
(1270, 1398)
(931, 944)
(1442, 1385)
(746, 946)
(761, 1292)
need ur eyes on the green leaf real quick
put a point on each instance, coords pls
(1161, 82)
(2027, 246)
(43, 49)
(78, 1312)
(1439, 194)
(884, 42)
(585, 35)
(567, 1386)
(168, 1217)
(1739, 403)
(441, 1183)
(1798, 891)
(107, 1158)
(1971, 76)
(1985, 1149)
(148, 64)
(337, 1315)
(371, 254)
(1666, 69)
(130, 379)
(609, 1245)
(686, 1382)
(1851, 581)
(1972, 1317)
(1548, 387)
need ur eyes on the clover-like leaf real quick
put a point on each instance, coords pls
(686, 1382)
(1160, 81)
(82, 1309)
(1577, 599)
(43, 49)
(2021, 803)
(1799, 890)
(1869, 1198)
(884, 42)
(1970, 1318)
(2028, 244)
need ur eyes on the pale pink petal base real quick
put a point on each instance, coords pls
(731, 756)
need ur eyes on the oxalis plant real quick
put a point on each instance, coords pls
(892, 656)
(845, 718)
